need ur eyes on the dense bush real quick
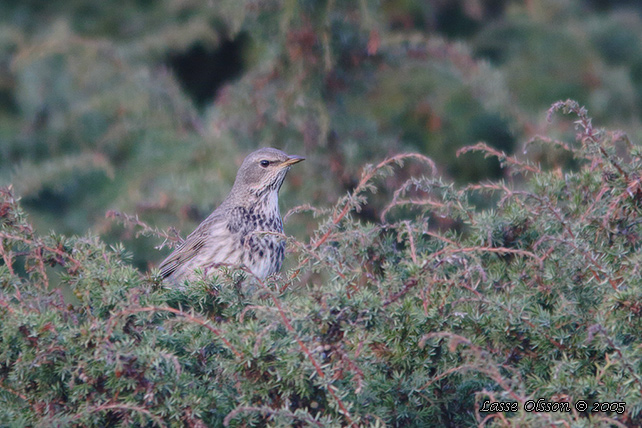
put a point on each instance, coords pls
(414, 320)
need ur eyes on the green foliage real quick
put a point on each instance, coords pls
(95, 116)
(412, 321)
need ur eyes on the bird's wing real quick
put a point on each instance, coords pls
(190, 248)
(181, 255)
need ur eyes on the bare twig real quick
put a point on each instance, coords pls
(503, 157)
(171, 235)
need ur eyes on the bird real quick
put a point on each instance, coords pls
(245, 229)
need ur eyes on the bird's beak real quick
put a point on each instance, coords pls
(292, 160)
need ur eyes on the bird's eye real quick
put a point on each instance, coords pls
(264, 163)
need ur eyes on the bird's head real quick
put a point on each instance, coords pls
(263, 171)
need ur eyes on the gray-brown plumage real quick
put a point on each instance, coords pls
(235, 233)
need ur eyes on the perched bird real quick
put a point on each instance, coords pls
(238, 231)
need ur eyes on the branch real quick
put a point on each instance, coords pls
(126, 407)
(171, 235)
(197, 320)
(267, 410)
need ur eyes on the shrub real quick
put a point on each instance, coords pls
(415, 320)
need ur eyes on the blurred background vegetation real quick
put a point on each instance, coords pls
(148, 107)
